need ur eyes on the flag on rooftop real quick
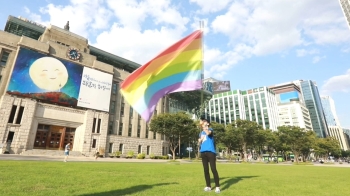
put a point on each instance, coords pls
(176, 69)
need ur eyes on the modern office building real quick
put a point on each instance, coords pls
(345, 6)
(334, 128)
(346, 132)
(55, 88)
(313, 103)
(291, 107)
(258, 104)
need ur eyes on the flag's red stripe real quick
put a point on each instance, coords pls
(177, 46)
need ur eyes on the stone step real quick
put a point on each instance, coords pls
(42, 152)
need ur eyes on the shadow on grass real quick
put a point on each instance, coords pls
(225, 183)
(128, 191)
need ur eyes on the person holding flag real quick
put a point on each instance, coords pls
(178, 68)
(208, 153)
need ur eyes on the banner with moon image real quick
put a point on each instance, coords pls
(52, 80)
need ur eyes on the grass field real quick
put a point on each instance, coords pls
(173, 178)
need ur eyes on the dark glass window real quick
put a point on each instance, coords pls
(139, 149)
(93, 125)
(12, 114)
(98, 125)
(94, 143)
(110, 149)
(147, 131)
(121, 146)
(148, 149)
(115, 88)
(131, 112)
(110, 127)
(112, 107)
(138, 131)
(21, 30)
(120, 129)
(130, 130)
(122, 109)
(20, 114)
(4, 58)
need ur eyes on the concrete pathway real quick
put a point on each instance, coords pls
(16, 157)
(74, 159)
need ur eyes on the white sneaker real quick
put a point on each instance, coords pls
(207, 189)
(217, 190)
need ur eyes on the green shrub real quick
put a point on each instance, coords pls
(117, 153)
(151, 156)
(141, 156)
(130, 154)
(111, 155)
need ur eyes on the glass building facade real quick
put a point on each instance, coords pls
(257, 105)
(334, 128)
(329, 111)
(291, 107)
(345, 6)
(21, 26)
(313, 104)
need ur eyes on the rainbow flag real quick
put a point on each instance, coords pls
(176, 69)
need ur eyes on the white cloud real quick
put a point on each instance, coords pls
(33, 16)
(132, 14)
(262, 27)
(130, 38)
(84, 16)
(135, 45)
(140, 29)
(268, 26)
(339, 83)
(208, 6)
(316, 59)
(345, 50)
(304, 52)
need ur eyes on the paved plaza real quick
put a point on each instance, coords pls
(15, 157)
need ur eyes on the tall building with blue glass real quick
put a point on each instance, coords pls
(334, 128)
(313, 104)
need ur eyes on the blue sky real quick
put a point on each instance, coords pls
(251, 43)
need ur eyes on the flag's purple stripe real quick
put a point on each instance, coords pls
(182, 86)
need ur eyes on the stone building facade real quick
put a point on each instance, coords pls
(29, 123)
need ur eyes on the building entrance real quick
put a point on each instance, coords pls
(53, 137)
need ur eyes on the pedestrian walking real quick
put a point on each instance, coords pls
(66, 151)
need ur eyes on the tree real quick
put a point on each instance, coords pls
(308, 144)
(263, 138)
(248, 131)
(195, 101)
(296, 138)
(231, 139)
(219, 131)
(328, 146)
(174, 127)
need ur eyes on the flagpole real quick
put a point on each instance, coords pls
(201, 28)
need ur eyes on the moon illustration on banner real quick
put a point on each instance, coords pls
(48, 73)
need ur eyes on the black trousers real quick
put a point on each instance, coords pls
(210, 158)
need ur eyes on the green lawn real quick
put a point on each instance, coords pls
(166, 179)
